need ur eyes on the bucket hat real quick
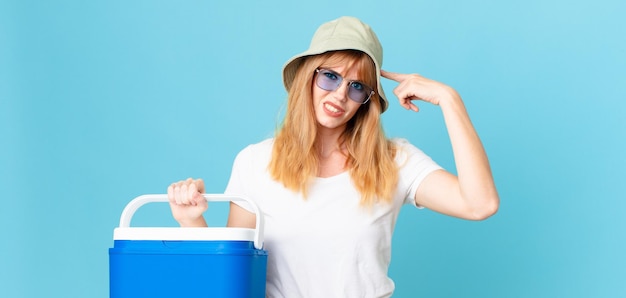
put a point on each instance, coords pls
(344, 33)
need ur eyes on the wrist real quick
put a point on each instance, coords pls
(451, 99)
(198, 222)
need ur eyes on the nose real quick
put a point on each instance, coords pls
(341, 92)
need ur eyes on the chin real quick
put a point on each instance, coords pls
(331, 124)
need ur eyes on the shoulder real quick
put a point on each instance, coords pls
(257, 151)
(400, 142)
(261, 147)
(404, 148)
(409, 154)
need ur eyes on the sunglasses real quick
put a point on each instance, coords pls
(329, 80)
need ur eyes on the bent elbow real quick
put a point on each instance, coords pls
(486, 210)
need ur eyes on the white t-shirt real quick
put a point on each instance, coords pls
(326, 245)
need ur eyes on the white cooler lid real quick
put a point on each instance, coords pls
(178, 233)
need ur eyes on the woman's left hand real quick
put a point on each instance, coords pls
(415, 87)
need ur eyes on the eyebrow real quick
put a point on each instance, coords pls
(342, 75)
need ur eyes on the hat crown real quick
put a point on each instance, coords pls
(348, 31)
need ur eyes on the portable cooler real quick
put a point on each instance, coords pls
(186, 262)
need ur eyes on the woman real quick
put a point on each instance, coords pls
(330, 184)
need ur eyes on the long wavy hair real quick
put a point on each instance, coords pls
(369, 154)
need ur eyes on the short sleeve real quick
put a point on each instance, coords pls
(414, 166)
(236, 184)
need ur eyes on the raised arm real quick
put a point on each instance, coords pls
(472, 193)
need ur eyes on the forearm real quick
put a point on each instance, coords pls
(476, 184)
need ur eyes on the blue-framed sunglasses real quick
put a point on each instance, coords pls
(330, 81)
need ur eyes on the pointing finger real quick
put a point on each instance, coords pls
(398, 77)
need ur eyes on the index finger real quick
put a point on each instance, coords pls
(199, 183)
(398, 77)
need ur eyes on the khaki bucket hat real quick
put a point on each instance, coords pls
(344, 33)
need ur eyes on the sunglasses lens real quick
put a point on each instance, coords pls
(330, 81)
(358, 92)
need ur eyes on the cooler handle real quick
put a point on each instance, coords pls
(139, 201)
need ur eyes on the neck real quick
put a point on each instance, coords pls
(328, 142)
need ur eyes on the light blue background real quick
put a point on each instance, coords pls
(101, 101)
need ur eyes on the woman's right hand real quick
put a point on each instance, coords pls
(187, 202)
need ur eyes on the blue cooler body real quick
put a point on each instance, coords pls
(186, 262)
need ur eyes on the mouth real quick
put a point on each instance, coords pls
(333, 110)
